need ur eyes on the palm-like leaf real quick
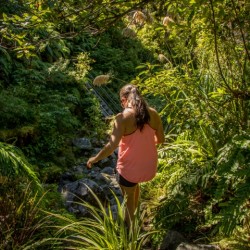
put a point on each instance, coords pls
(13, 164)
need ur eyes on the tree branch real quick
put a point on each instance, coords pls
(216, 47)
(241, 31)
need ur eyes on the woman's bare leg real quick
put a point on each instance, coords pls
(137, 196)
(132, 195)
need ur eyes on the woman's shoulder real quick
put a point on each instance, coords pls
(153, 112)
(127, 120)
(154, 118)
(127, 114)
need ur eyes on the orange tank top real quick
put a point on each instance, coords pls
(137, 155)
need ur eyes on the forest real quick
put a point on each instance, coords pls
(191, 61)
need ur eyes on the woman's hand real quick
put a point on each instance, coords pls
(91, 161)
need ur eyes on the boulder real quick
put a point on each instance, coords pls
(175, 241)
(108, 170)
(187, 246)
(75, 193)
(172, 240)
(82, 143)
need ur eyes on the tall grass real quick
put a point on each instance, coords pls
(104, 229)
(21, 221)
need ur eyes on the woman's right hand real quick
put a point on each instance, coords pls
(91, 161)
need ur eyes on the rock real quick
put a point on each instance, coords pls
(114, 161)
(96, 151)
(106, 178)
(66, 178)
(97, 177)
(96, 169)
(100, 179)
(114, 156)
(187, 246)
(85, 170)
(82, 143)
(96, 142)
(78, 169)
(73, 210)
(172, 240)
(108, 170)
(75, 193)
(114, 211)
(107, 162)
(113, 200)
(82, 210)
(110, 191)
(175, 241)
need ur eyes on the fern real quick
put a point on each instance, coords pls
(204, 193)
(187, 172)
(13, 164)
(233, 175)
(5, 61)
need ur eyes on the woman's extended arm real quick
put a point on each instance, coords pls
(115, 137)
(156, 123)
(159, 131)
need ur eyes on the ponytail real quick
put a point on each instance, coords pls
(138, 103)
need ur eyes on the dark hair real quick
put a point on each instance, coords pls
(132, 94)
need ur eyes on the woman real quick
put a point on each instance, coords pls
(136, 131)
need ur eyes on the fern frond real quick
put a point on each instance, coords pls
(13, 164)
(233, 187)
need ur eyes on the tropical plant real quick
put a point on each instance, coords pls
(21, 219)
(104, 229)
(202, 195)
(232, 186)
(193, 59)
(206, 104)
(13, 165)
(21, 195)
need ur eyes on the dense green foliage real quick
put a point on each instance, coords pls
(203, 78)
(190, 58)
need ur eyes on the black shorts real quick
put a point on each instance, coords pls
(122, 181)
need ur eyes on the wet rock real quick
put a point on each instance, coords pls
(100, 179)
(82, 143)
